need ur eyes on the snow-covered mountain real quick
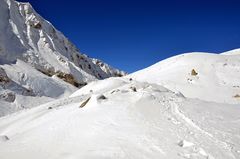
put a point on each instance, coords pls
(36, 57)
(186, 106)
(27, 36)
(195, 117)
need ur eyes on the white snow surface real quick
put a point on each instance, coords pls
(149, 121)
(217, 79)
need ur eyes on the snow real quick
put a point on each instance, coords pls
(151, 122)
(42, 85)
(27, 85)
(101, 86)
(138, 117)
(184, 143)
(186, 106)
(217, 79)
(232, 52)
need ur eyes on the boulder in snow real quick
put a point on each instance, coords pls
(8, 96)
(194, 73)
(85, 102)
(237, 96)
(3, 77)
(101, 97)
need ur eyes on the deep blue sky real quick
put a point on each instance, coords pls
(131, 35)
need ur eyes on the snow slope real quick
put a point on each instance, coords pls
(40, 84)
(134, 120)
(26, 87)
(217, 76)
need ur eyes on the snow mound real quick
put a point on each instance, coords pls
(210, 77)
(101, 86)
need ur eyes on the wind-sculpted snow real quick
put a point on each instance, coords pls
(146, 122)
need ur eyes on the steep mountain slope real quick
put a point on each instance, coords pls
(27, 36)
(210, 77)
(39, 59)
(123, 118)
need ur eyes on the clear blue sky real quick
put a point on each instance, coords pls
(131, 35)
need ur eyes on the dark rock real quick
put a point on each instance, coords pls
(194, 73)
(84, 103)
(102, 97)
